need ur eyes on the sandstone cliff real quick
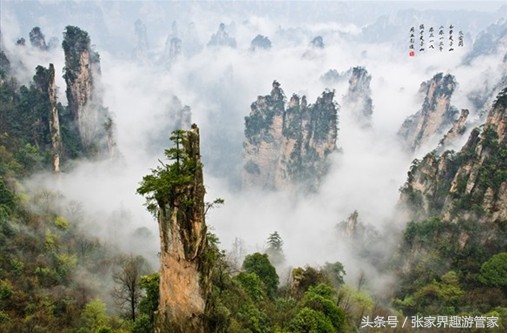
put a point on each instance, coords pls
(140, 51)
(358, 98)
(467, 186)
(175, 116)
(491, 83)
(82, 76)
(457, 205)
(184, 274)
(436, 115)
(37, 39)
(222, 38)
(173, 47)
(457, 130)
(260, 42)
(54, 121)
(49, 119)
(286, 147)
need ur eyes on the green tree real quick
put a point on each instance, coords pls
(252, 284)
(162, 185)
(274, 248)
(494, 271)
(94, 316)
(259, 264)
(310, 321)
(327, 307)
(150, 284)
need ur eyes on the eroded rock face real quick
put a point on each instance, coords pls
(184, 282)
(469, 185)
(286, 147)
(260, 42)
(317, 42)
(82, 76)
(457, 130)
(37, 39)
(54, 121)
(358, 98)
(44, 80)
(176, 116)
(436, 115)
(141, 40)
(222, 38)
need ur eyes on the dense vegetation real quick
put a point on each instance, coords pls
(54, 277)
(453, 252)
(253, 301)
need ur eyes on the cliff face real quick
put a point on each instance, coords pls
(457, 130)
(436, 115)
(260, 42)
(184, 284)
(49, 121)
(469, 185)
(175, 117)
(54, 121)
(174, 49)
(492, 84)
(37, 39)
(82, 76)
(457, 205)
(140, 51)
(488, 41)
(222, 38)
(358, 98)
(287, 147)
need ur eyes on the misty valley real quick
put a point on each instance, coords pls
(285, 167)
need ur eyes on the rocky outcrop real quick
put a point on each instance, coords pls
(222, 38)
(176, 116)
(141, 40)
(184, 285)
(174, 49)
(173, 46)
(358, 98)
(315, 48)
(82, 76)
(469, 185)
(457, 130)
(37, 39)
(349, 227)
(484, 94)
(436, 115)
(54, 121)
(260, 42)
(180, 115)
(286, 147)
(49, 119)
(331, 76)
(488, 41)
(317, 42)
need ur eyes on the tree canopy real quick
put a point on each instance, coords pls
(259, 264)
(161, 186)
